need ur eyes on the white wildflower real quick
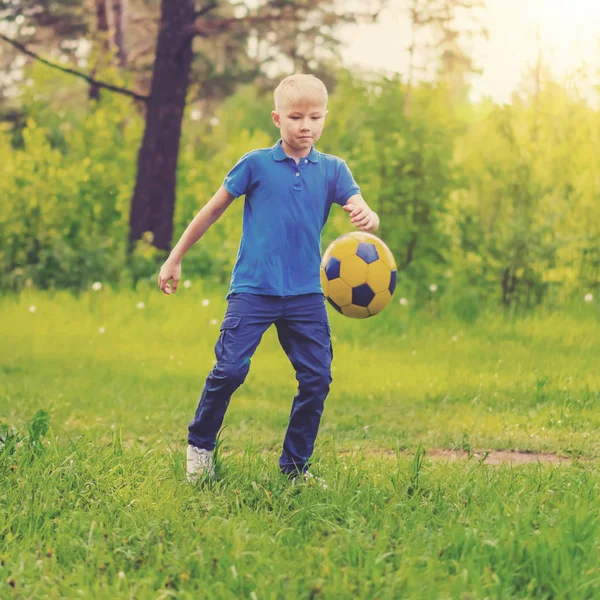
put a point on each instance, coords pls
(588, 297)
(32, 309)
(403, 301)
(140, 305)
(187, 284)
(205, 302)
(96, 286)
(433, 287)
(195, 114)
(213, 321)
(454, 338)
(121, 575)
(101, 330)
(214, 121)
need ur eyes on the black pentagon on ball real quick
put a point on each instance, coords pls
(332, 268)
(334, 305)
(367, 252)
(362, 295)
(392, 282)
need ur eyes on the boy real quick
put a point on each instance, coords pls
(288, 190)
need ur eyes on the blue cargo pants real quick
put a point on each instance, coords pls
(305, 336)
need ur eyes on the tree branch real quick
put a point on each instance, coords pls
(100, 84)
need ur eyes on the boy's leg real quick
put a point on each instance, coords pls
(305, 336)
(247, 317)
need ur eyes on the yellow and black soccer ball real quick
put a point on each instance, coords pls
(358, 275)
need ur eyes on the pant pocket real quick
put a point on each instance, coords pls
(224, 348)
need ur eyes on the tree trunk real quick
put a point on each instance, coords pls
(102, 27)
(119, 8)
(153, 202)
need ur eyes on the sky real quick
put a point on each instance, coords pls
(570, 34)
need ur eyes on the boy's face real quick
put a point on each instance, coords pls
(301, 125)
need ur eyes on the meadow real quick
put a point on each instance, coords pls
(96, 391)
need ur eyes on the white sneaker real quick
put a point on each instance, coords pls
(199, 463)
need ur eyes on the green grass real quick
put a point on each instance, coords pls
(96, 506)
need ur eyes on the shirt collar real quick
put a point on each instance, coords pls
(279, 153)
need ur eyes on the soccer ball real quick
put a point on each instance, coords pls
(358, 275)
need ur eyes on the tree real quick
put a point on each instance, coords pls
(153, 201)
(103, 35)
(435, 28)
(119, 9)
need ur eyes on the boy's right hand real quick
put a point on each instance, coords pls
(170, 270)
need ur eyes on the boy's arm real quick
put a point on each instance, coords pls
(208, 215)
(361, 215)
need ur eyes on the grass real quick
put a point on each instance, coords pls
(93, 501)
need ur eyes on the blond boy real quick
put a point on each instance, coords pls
(289, 190)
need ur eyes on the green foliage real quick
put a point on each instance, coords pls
(488, 203)
(69, 188)
(524, 217)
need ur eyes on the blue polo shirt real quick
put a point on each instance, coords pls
(285, 210)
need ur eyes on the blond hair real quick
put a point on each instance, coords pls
(299, 89)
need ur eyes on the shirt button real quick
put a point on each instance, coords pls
(297, 174)
(305, 160)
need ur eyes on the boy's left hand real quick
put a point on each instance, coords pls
(362, 217)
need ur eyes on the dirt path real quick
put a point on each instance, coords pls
(497, 457)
